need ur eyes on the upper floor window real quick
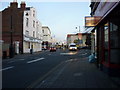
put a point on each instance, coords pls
(33, 13)
(27, 33)
(27, 14)
(33, 33)
(33, 23)
(27, 21)
(43, 31)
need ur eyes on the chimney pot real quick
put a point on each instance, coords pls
(14, 4)
(23, 5)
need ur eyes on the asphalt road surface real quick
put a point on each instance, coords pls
(60, 69)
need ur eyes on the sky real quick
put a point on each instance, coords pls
(61, 17)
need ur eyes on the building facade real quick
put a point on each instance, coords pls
(47, 38)
(32, 31)
(19, 29)
(81, 38)
(108, 35)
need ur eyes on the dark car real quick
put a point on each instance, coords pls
(52, 49)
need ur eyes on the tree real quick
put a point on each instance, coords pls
(76, 41)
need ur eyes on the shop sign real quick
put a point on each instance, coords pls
(91, 21)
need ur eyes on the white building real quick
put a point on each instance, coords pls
(47, 38)
(81, 37)
(32, 31)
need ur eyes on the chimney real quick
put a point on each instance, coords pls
(23, 5)
(14, 4)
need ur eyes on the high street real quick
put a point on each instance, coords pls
(60, 69)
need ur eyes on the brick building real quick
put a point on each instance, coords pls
(14, 29)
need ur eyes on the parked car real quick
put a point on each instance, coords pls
(52, 49)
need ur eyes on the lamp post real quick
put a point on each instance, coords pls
(79, 29)
(79, 41)
(11, 48)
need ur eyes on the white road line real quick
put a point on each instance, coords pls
(84, 54)
(21, 59)
(70, 53)
(7, 68)
(16, 60)
(11, 61)
(35, 60)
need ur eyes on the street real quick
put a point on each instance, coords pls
(60, 69)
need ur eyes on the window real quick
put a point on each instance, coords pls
(106, 34)
(33, 33)
(33, 13)
(115, 41)
(45, 35)
(28, 45)
(27, 21)
(37, 25)
(33, 23)
(27, 14)
(106, 41)
(27, 33)
(43, 31)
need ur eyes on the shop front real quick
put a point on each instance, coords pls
(108, 41)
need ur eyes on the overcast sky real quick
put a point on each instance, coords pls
(60, 17)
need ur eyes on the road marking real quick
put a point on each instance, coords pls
(21, 59)
(70, 53)
(71, 60)
(7, 68)
(16, 60)
(77, 74)
(84, 54)
(35, 60)
(11, 61)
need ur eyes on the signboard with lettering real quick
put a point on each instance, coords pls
(91, 21)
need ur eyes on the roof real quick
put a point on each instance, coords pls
(89, 30)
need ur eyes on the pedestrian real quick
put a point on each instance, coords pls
(31, 51)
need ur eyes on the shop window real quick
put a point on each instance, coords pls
(106, 35)
(115, 41)
(106, 42)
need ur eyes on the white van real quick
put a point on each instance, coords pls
(72, 46)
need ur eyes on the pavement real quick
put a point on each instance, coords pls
(78, 73)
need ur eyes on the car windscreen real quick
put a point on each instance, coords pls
(72, 45)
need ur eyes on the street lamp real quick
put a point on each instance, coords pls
(78, 36)
(11, 48)
(79, 28)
